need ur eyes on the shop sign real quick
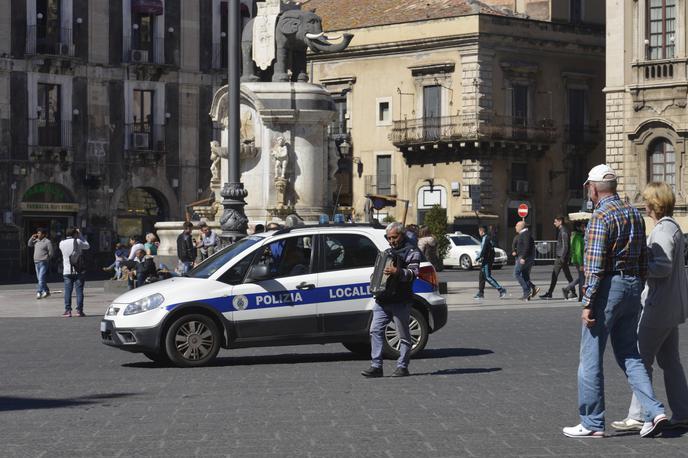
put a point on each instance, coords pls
(49, 207)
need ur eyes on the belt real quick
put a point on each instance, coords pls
(623, 273)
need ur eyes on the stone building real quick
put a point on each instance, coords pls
(646, 96)
(474, 106)
(104, 111)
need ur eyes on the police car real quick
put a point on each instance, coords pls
(303, 285)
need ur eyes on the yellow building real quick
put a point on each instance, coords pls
(474, 107)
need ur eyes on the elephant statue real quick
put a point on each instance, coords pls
(296, 31)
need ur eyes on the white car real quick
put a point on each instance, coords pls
(304, 285)
(464, 250)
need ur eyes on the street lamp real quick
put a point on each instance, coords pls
(233, 222)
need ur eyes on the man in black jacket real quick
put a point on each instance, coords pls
(563, 254)
(525, 258)
(395, 302)
(186, 249)
(486, 258)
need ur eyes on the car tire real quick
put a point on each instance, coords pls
(465, 262)
(358, 348)
(192, 341)
(419, 336)
(160, 358)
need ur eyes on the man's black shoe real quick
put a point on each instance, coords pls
(566, 293)
(400, 372)
(372, 372)
(533, 292)
(547, 295)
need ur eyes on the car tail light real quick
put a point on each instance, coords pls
(428, 274)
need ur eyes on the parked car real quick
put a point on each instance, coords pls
(464, 250)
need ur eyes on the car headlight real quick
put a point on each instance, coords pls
(145, 304)
(112, 310)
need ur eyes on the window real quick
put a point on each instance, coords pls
(143, 110)
(384, 111)
(288, 257)
(662, 162)
(464, 240)
(575, 11)
(143, 32)
(339, 126)
(519, 111)
(661, 26)
(49, 107)
(211, 265)
(349, 251)
(224, 23)
(576, 102)
(47, 25)
(384, 175)
(432, 111)
(519, 178)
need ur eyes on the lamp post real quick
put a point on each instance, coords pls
(233, 221)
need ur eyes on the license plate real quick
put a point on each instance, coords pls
(103, 326)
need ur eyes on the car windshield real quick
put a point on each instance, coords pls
(464, 240)
(222, 257)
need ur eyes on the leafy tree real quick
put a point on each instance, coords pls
(388, 219)
(436, 220)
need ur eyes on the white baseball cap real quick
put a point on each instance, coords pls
(601, 172)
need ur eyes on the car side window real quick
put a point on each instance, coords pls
(287, 257)
(235, 275)
(349, 251)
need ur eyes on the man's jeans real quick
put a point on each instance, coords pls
(75, 281)
(41, 275)
(185, 267)
(381, 317)
(522, 275)
(616, 309)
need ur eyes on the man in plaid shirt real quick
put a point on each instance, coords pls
(615, 265)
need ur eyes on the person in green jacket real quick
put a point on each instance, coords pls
(577, 248)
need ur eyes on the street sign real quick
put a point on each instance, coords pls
(523, 210)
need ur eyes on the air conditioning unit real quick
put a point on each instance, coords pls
(65, 49)
(141, 140)
(139, 56)
(521, 186)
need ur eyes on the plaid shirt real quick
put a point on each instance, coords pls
(614, 241)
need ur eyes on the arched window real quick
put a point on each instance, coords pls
(661, 28)
(662, 162)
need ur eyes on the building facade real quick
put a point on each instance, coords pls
(474, 106)
(104, 112)
(646, 96)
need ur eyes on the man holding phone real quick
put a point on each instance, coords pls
(42, 252)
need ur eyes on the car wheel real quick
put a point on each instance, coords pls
(358, 348)
(192, 340)
(419, 336)
(465, 262)
(160, 358)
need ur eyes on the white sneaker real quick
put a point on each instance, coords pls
(44, 294)
(582, 432)
(654, 427)
(38, 295)
(627, 424)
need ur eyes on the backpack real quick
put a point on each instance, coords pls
(76, 258)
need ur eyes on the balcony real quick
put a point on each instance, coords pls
(50, 142)
(144, 54)
(145, 143)
(465, 136)
(380, 186)
(42, 45)
(582, 134)
(660, 71)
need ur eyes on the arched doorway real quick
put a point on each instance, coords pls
(138, 211)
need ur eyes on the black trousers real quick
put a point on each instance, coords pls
(559, 265)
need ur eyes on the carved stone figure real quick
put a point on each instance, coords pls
(295, 32)
(216, 154)
(281, 155)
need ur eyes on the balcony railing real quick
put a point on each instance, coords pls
(145, 137)
(380, 186)
(154, 53)
(50, 134)
(468, 127)
(39, 45)
(582, 134)
(659, 71)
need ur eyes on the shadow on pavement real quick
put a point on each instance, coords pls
(431, 353)
(11, 403)
(459, 371)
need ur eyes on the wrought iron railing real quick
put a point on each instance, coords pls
(144, 137)
(39, 45)
(582, 134)
(153, 53)
(43, 133)
(380, 186)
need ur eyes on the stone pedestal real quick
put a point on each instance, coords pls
(168, 232)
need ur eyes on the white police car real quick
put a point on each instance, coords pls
(302, 285)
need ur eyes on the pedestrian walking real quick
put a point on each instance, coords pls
(615, 268)
(42, 253)
(207, 243)
(525, 258)
(186, 250)
(73, 270)
(665, 306)
(395, 302)
(427, 244)
(577, 249)
(563, 256)
(486, 258)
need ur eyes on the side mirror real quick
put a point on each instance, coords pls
(258, 272)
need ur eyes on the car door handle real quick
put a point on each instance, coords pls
(304, 285)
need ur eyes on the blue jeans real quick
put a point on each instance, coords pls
(616, 309)
(41, 274)
(382, 315)
(186, 266)
(522, 275)
(70, 282)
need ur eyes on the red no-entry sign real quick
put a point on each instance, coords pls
(523, 210)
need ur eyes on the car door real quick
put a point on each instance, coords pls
(347, 263)
(282, 303)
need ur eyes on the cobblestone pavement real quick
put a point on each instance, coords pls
(494, 382)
